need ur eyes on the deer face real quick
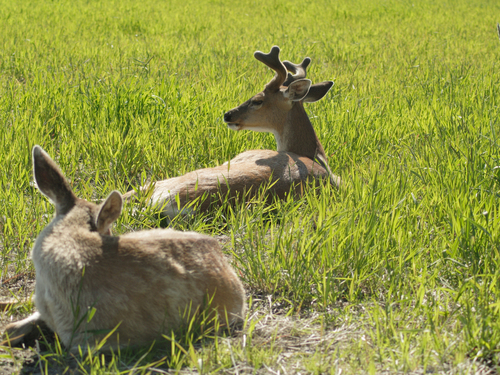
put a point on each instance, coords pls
(260, 113)
(270, 109)
(238, 118)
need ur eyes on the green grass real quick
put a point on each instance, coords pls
(398, 272)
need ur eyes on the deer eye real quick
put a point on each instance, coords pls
(257, 102)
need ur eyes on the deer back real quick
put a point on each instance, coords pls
(240, 178)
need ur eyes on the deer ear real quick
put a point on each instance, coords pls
(297, 90)
(317, 91)
(110, 211)
(51, 182)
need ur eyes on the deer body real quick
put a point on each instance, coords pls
(144, 283)
(278, 110)
(244, 174)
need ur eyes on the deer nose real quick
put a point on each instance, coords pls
(227, 116)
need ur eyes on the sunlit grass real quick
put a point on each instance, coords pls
(397, 272)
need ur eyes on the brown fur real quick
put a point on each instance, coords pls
(281, 170)
(279, 110)
(140, 282)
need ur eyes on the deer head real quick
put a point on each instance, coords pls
(279, 110)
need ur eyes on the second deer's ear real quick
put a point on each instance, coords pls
(110, 211)
(51, 182)
(317, 91)
(297, 90)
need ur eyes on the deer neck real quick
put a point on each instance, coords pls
(297, 134)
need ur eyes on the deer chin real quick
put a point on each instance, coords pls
(233, 126)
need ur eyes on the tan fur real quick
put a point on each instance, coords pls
(140, 282)
(281, 170)
(279, 110)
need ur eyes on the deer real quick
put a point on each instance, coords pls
(299, 157)
(129, 289)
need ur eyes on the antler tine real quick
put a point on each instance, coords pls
(273, 61)
(299, 70)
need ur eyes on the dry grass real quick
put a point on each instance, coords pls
(274, 341)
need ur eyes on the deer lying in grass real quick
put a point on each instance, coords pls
(89, 282)
(279, 110)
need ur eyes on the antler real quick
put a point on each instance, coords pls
(299, 70)
(273, 61)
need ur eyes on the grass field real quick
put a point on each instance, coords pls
(399, 272)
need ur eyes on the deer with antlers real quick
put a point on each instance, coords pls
(279, 110)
